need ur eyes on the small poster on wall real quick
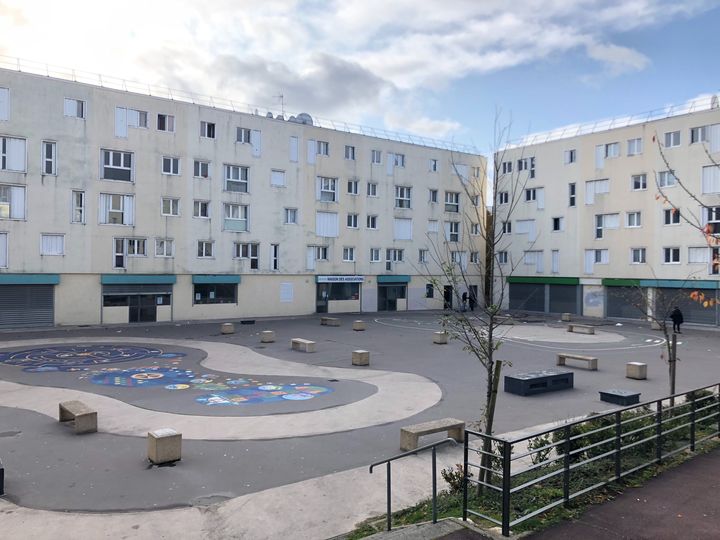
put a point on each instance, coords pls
(286, 292)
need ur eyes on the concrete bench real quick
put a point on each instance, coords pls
(267, 336)
(84, 418)
(581, 329)
(620, 397)
(227, 328)
(636, 370)
(591, 361)
(440, 338)
(329, 321)
(304, 345)
(164, 446)
(565, 317)
(359, 326)
(409, 435)
(360, 358)
(538, 382)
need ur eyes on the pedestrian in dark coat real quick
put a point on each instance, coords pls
(677, 319)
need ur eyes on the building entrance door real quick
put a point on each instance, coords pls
(388, 296)
(321, 299)
(142, 308)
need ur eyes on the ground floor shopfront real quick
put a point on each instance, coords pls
(615, 298)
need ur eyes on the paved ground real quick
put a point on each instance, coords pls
(302, 455)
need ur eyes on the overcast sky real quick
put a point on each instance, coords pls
(436, 68)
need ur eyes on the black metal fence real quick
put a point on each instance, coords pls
(516, 480)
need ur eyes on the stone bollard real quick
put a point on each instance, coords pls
(267, 336)
(227, 328)
(359, 326)
(361, 358)
(565, 317)
(164, 446)
(636, 370)
(440, 338)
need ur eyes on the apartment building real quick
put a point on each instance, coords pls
(121, 207)
(590, 228)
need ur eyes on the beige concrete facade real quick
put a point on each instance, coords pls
(177, 196)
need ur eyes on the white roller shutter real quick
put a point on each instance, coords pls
(277, 178)
(589, 261)
(3, 250)
(462, 171)
(52, 244)
(714, 133)
(402, 229)
(121, 122)
(589, 192)
(711, 179)
(539, 263)
(310, 258)
(555, 261)
(15, 155)
(698, 255)
(104, 208)
(17, 202)
(256, 142)
(71, 107)
(326, 224)
(390, 163)
(311, 151)
(133, 118)
(611, 221)
(600, 156)
(4, 103)
(294, 149)
(128, 210)
(540, 198)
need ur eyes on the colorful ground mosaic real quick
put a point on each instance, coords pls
(80, 357)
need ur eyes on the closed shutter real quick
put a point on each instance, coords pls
(26, 305)
(462, 172)
(128, 210)
(693, 312)
(564, 299)
(714, 138)
(311, 151)
(600, 156)
(3, 250)
(589, 261)
(326, 224)
(402, 229)
(711, 179)
(527, 296)
(121, 122)
(15, 155)
(17, 202)
(310, 258)
(540, 198)
(4, 104)
(626, 302)
(256, 142)
(294, 149)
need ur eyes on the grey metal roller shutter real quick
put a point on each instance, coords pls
(27, 305)
(564, 299)
(626, 302)
(527, 296)
(693, 312)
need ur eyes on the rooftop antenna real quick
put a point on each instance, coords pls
(281, 97)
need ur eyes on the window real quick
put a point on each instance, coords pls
(277, 178)
(236, 178)
(502, 257)
(243, 135)
(201, 169)
(711, 217)
(372, 189)
(164, 247)
(452, 231)
(595, 256)
(117, 165)
(321, 253)
(52, 244)
(236, 217)
(215, 293)
(570, 156)
(74, 108)
(534, 258)
(207, 130)
(671, 255)
(170, 207)
(49, 157)
(452, 201)
(634, 219)
(352, 221)
(711, 179)
(423, 256)
(350, 152)
(637, 256)
(634, 147)
(402, 196)
(433, 195)
(527, 164)
(136, 247)
(349, 254)
(394, 255)
(326, 224)
(376, 157)
(671, 216)
(506, 167)
(672, 139)
(323, 148)
(503, 197)
(666, 179)
(558, 224)
(374, 255)
(596, 187)
(698, 255)
(433, 165)
(530, 194)
(476, 172)
(475, 229)
(612, 150)
(638, 182)
(127, 247)
(571, 194)
(78, 207)
(507, 227)
(291, 216)
(402, 229)
(116, 209)
(699, 134)
(555, 261)
(327, 189)
(170, 165)
(204, 249)
(201, 209)
(474, 257)
(433, 226)
(274, 256)
(606, 221)
(352, 187)
(400, 160)
(429, 290)
(166, 122)
(372, 222)
(249, 251)
(12, 154)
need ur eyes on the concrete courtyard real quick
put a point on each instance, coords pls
(275, 442)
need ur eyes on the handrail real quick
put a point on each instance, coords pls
(388, 461)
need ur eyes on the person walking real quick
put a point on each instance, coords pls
(677, 319)
(464, 301)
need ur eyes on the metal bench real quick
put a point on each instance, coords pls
(538, 382)
(409, 435)
(304, 345)
(581, 329)
(592, 362)
(83, 417)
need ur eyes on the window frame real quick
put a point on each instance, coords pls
(242, 181)
(174, 205)
(202, 252)
(174, 169)
(207, 129)
(168, 121)
(52, 160)
(122, 167)
(403, 197)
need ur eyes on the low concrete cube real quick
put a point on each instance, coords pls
(566, 317)
(359, 326)
(267, 336)
(227, 328)
(164, 446)
(361, 358)
(636, 370)
(440, 338)
(329, 321)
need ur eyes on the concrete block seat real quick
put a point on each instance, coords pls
(581, 329)
(440, 338)
(304, 345)
(359, 326)
(591, 361)
(329, 321)
(164, 446)
(227, 328)
(267, 336)
(636, 370)
(360, 358)
(538, 382)
(83, 417)
(409, 435)
(620, 397)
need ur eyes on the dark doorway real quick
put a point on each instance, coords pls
(321, 297)
(448, 297)
(388, 296)
(142, 308)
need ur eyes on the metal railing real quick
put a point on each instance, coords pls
(388, 462)
(117, 83)
(582, 456)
